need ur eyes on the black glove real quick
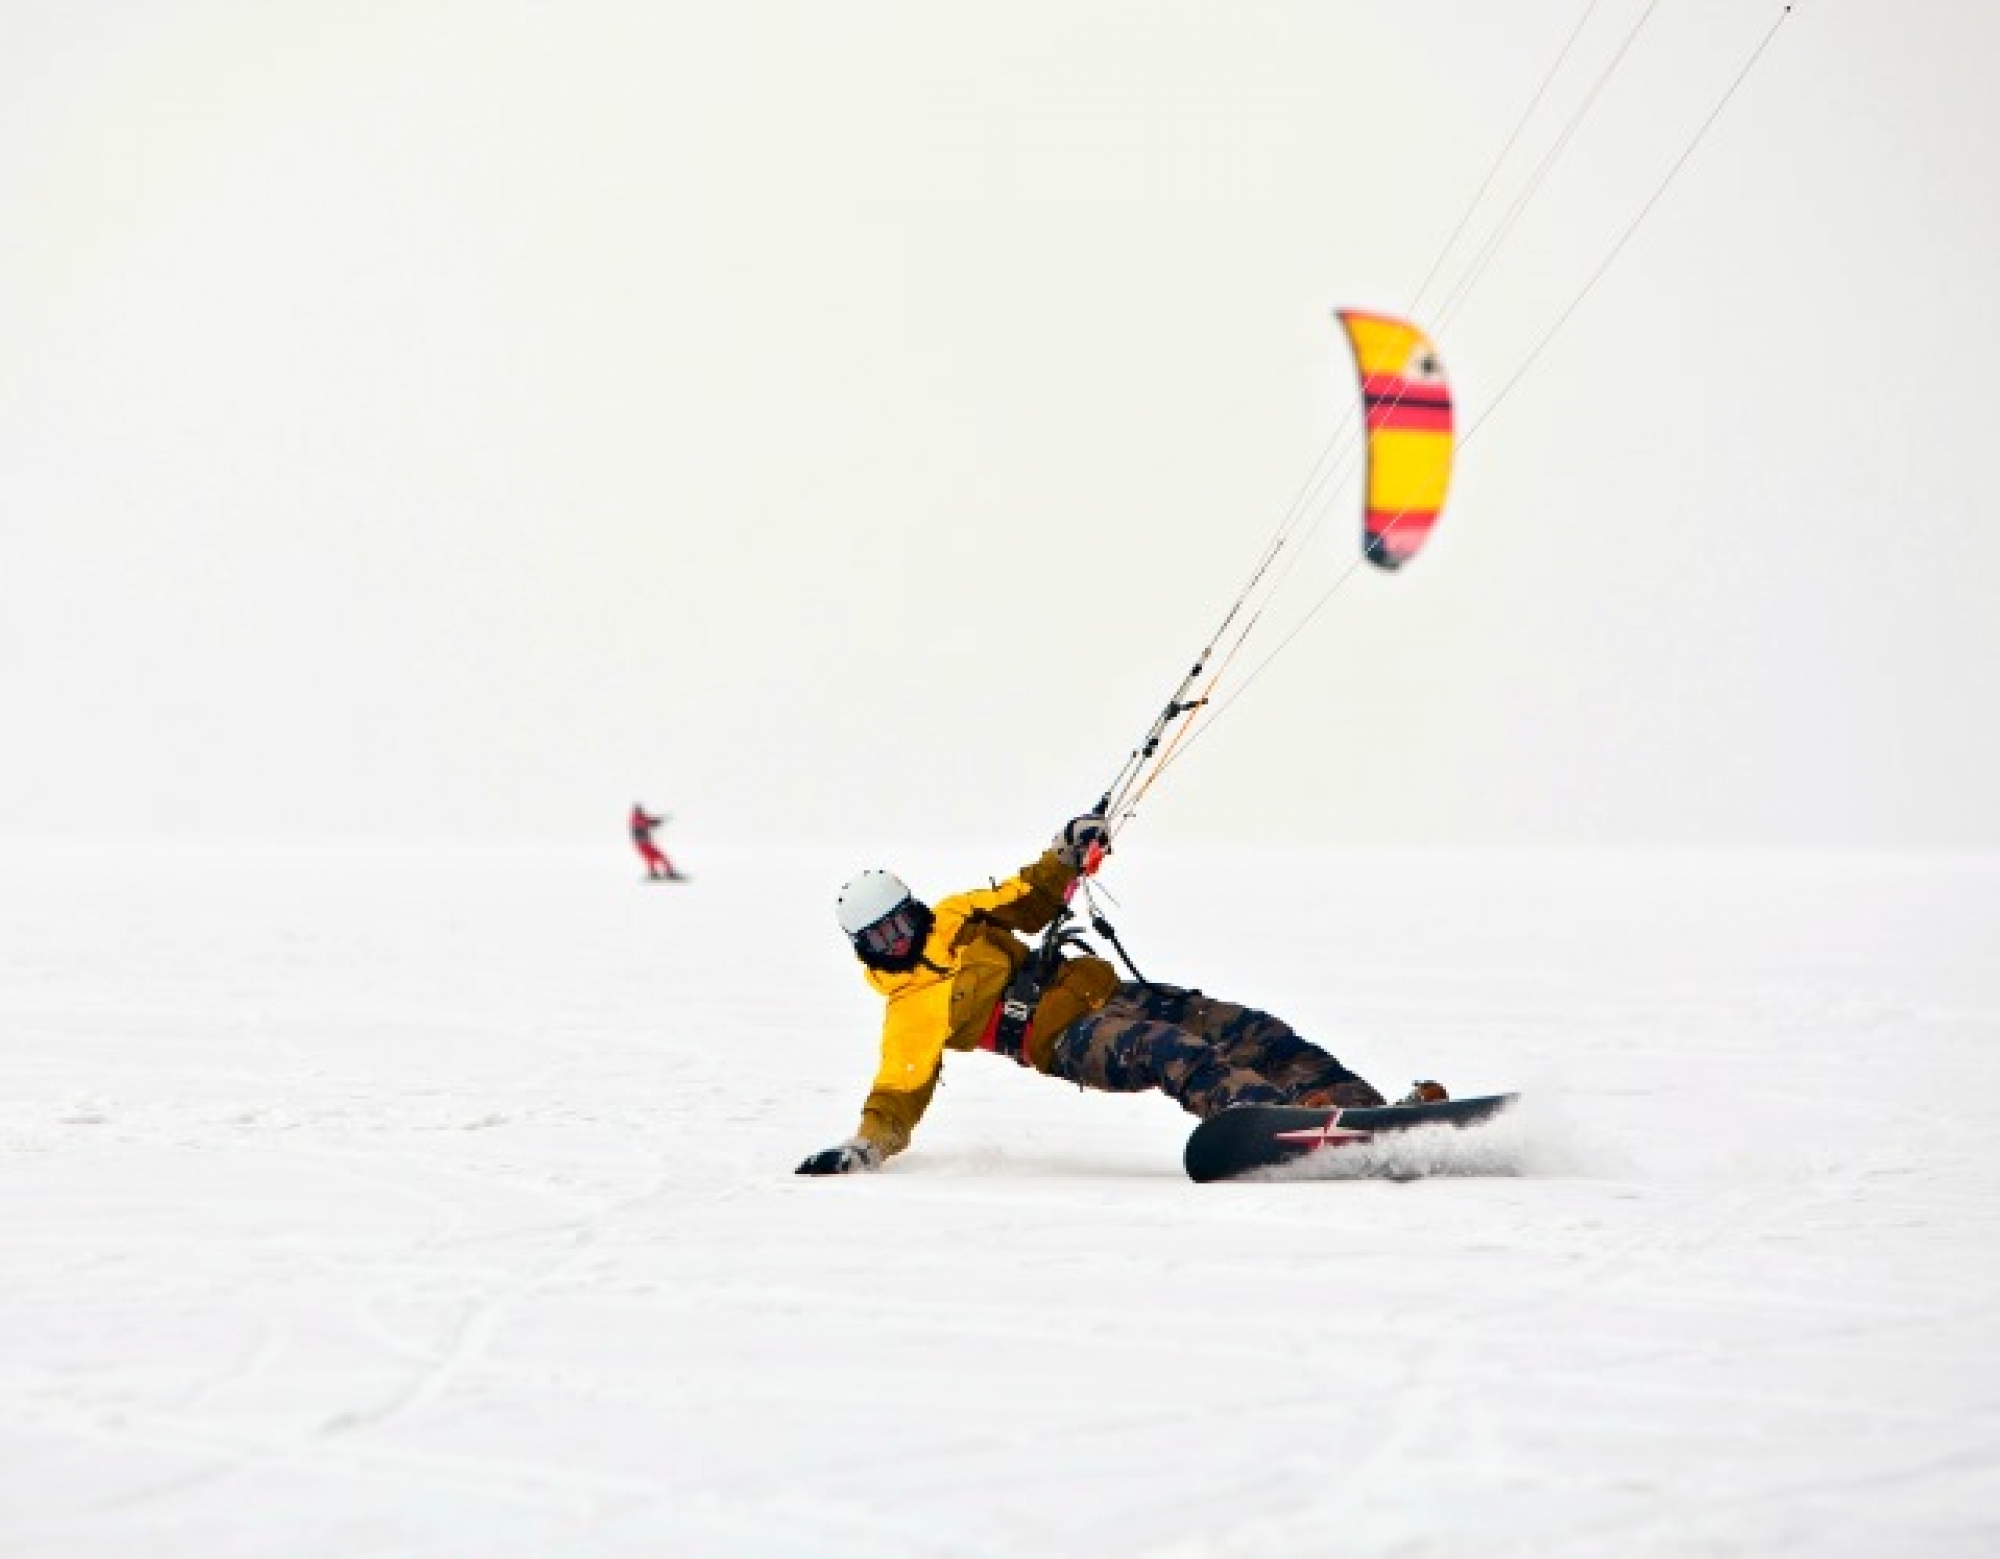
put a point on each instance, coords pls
(856, 1153)
(1079, 834)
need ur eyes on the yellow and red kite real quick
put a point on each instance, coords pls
(1409, 434)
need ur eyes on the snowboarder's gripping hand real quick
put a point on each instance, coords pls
(855, 1153)
(1079, 836)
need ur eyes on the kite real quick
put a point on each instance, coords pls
(1409, 434)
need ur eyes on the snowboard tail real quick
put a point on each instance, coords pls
(1262, 1136)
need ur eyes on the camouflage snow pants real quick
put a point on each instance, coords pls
(1204, 1054)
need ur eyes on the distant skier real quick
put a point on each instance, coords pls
(945, 972)
(658, 867)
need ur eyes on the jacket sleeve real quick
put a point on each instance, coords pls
(891, 1115)
(916, 1022)
(1024, 903)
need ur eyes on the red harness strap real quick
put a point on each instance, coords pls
(1007, 1032)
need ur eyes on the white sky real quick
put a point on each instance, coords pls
(849, 420)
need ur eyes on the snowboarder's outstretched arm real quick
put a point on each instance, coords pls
(894, 1106)
(1024, 903)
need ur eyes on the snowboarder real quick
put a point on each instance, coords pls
(658, 867)
(949, 975)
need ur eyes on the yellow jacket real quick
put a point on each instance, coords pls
(947, 1001)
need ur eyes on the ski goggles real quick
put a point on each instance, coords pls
(891, 936)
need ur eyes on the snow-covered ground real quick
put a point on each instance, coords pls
(427, 1203)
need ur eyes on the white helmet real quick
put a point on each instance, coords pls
(868, 898)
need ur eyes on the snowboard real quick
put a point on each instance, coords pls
(1263, 1136)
